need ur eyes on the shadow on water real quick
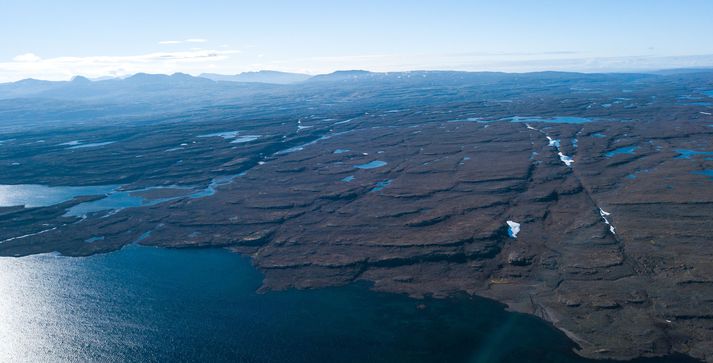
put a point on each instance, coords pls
(151, 304)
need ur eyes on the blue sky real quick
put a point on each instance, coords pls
(56, 40)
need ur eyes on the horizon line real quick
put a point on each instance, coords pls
(196, 63)
(434, 70)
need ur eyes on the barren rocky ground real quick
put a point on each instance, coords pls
(412, 188)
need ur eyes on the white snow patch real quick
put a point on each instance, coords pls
(514, 228)
(566, 159)
(604, 215)
(553, 142)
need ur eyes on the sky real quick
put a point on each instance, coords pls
(57, 40)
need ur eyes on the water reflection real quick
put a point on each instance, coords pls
(148, 304)
(32, 195)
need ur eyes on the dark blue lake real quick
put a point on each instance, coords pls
(146, 304)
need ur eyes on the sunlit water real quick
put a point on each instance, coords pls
(146, 304)
(31, 195)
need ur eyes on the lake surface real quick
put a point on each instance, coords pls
(115, 200)
(556, 119)
(32, 195)
(622, 150)
(245, 138)
(145, 304)
(688, 154)
(232, 135)
(371, 165)
(708, 172)
(469, 119)
(94, 144)
(381, 185)
(223, 134)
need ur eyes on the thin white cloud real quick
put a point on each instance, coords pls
(27, 57)
(521, 62)
(61, 68)
(189, 40)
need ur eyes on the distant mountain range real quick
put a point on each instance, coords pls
(184, 90)
(179, 88)
(272, 77)
(35, 86)
(155, 84)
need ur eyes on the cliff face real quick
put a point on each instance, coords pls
(613, 248)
